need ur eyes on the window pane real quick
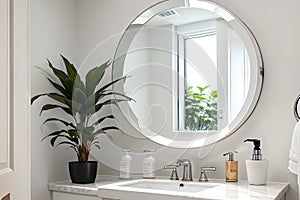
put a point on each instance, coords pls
(201, 83)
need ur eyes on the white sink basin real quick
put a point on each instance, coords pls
(175, 186)
(155, 189)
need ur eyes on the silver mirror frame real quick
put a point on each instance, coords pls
(193, 140)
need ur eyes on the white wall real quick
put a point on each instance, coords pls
(276, 27)
(52, 33)
(273, 119)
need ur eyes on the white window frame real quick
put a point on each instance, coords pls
(179, 84)
(224, 55)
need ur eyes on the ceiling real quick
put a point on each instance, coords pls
(180, 16)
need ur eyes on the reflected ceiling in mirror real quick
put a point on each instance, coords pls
(195, 72)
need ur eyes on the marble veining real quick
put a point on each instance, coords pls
(84, 189)
(105, 186)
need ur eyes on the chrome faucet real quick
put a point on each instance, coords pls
(187, 169)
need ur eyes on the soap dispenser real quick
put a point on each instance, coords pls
(148, 164)
(125, 164)
(231, 168)
(257, 168)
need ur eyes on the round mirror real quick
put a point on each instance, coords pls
(194, 69)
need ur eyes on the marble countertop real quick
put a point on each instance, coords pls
(85, 189)
(107, 185)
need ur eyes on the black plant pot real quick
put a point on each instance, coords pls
(83, 172)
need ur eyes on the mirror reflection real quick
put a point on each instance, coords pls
(192, 68)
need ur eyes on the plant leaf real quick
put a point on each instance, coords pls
(119, 94)
(214, 94)
(79, 96)
(99, 106)
(64, 79)
(36, 97)
(52, 141)
(79, 84)
(71, 70)
(59, 87)
(62, 76)
(88, 130)
(52, 106)
(201, 89)
(55, 133)
(73, 76)
(99, 121)
(73, 133)
(94, 76)
(57, 97)
(110, 128)
(103, 130)
(46, 73)
(102, 89)
(69, 86)
(60, 98)
(90, 101)
(59, 120)
(66, 142)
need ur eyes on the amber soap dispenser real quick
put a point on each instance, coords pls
(231, 167)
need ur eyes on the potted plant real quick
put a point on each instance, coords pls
(81, 101)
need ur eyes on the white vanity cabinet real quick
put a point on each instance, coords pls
(65, 190)
(70, 196)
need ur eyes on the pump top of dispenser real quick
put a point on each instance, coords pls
(148, 151)
(230, 154)
(256, 150)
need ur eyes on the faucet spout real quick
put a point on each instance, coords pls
(187, 169)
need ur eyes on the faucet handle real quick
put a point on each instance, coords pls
(174, 174)
(203, 177)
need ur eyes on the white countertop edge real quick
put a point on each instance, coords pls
(104, 180)
(85, 189)
(283, 192)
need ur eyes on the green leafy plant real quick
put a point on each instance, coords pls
(81, 101)
(200, 109)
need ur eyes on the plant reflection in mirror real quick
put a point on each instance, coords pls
(80, 100)
(200, 109)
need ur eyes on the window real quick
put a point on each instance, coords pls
(213, 78)
(198, 69)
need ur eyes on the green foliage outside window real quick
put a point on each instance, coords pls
(200, 109)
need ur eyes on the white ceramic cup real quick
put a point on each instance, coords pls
(257, 171)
